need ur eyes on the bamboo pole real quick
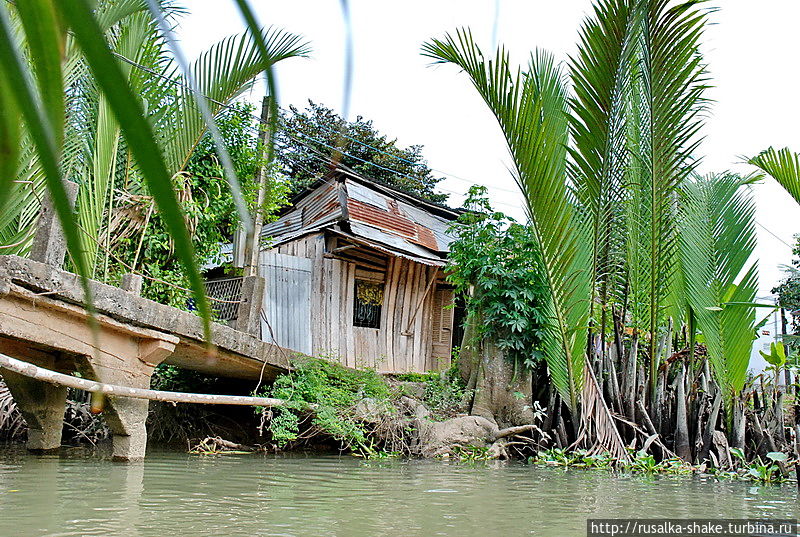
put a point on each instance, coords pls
(52, 377)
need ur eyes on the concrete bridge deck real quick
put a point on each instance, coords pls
(43, 320)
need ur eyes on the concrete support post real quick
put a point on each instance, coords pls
(248, 317)
(42, 404)
(49, 244)
(132, 283)
(126, 417)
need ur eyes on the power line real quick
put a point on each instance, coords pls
(257, 118)
(762, 226)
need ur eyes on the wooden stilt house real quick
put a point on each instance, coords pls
(354, 272)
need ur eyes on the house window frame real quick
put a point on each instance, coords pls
(368, 315)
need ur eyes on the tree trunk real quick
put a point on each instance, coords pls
(502, 392)
(682, 446)
(629, 379)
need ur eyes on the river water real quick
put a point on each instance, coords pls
(174, 495)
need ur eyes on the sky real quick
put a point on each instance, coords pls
(750, 49)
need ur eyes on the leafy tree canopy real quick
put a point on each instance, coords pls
(210, 212)
(495, 265)
(309, 138)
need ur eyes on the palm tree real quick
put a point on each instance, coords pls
(600, 170)
(531, 108)
(145, 118)
(717, 240)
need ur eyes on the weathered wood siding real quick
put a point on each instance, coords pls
(405, 340)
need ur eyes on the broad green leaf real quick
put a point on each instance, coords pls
(45, 39)
(9, 144)
(44, 135)
(777, 456)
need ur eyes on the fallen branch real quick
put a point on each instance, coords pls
(52, 377)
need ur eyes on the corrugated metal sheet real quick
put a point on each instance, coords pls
(426, 238)
(289, 223)
(437, 225)
(319, 204)
(383, 219)
(366, 195)
(330, 211)
(392, 244)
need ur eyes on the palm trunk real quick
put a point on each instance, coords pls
(682, 447)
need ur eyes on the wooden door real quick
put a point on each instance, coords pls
(287, 301)
(442, 327)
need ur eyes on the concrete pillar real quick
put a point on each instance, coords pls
(49, 244)
(42, 404)
(248, 315)
(132, 283)
(126, 417)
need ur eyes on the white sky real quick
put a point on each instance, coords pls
(751, 50)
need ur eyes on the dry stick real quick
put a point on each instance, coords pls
(45, 375)
(770, 441)
(511, 431)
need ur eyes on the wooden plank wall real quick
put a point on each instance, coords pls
(403, 343)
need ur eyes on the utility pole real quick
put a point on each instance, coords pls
(252, 246)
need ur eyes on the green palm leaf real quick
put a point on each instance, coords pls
(129, 113)
(600, 75)
(222, 73)
(531, 110)
(783, 166)
(667, 100)
(717, 241)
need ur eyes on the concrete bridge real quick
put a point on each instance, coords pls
(43, 321)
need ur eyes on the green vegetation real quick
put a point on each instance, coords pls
(139, 238)
(633, 256)
(335, 391)
(494, 264)
(91, 117)
(309, 137)
(627, 263)
(757, 471)
(445, 394)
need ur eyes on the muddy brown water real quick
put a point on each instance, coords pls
(174, 494)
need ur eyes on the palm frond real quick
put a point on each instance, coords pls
(222, 73)
(669, 104)
(531, 110)
(717, 241)
(782, 165)
(600, 75)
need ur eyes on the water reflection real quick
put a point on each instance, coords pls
(176, 494)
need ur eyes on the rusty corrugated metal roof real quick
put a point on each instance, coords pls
(348, 203)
